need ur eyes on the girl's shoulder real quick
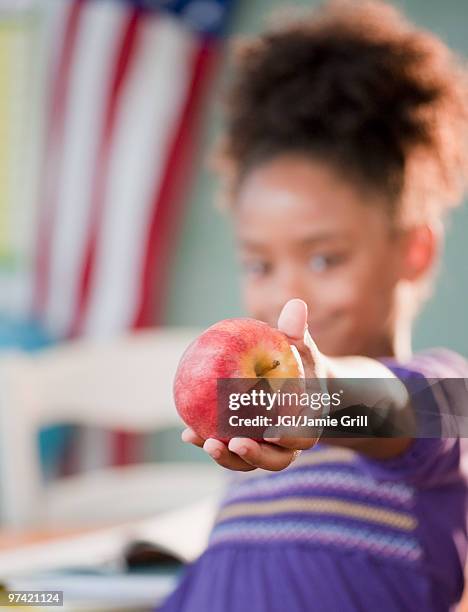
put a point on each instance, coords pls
(447, 362)
(437, 362)
(437, 380)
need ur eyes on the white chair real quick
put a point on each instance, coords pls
(121, 384)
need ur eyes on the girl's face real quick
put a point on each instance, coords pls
(304, 232)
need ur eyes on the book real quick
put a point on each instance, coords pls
(133, 565)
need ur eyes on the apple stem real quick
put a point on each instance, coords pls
(264, 371)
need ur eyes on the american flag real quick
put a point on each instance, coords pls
(124, 84)
(124, 81)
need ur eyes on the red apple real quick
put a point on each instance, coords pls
(233, 348)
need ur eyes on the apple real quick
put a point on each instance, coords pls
(241, 348)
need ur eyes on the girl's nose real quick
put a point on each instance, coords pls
(290, 285)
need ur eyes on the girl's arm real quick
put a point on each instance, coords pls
(245, 454)
(346, 374)
(347, 369)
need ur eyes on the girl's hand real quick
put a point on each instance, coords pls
(245, 454)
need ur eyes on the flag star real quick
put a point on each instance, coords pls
(203, 14)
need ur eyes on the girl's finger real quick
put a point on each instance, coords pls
(189, 436)
(293, 443)
(265, 456)
(293, 322)
(224, 457)
(293, 319)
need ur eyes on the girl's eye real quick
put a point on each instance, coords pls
(320, 263)
(256, 268)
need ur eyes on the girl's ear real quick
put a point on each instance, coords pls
(421, 249)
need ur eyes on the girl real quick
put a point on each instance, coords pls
(344, 148)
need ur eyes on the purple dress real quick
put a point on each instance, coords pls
(338, 531)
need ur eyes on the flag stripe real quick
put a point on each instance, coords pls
(129, 40)
(148, 111)
(168, 195)
(55, 125)
(96, 47)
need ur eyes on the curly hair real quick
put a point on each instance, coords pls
(356, 85)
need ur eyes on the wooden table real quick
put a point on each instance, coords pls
(14, 540)
(11, 538)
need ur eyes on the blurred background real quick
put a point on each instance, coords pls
(108, 112)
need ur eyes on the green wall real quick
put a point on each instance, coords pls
(205, 282)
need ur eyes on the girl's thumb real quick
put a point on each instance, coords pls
(293, 319)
